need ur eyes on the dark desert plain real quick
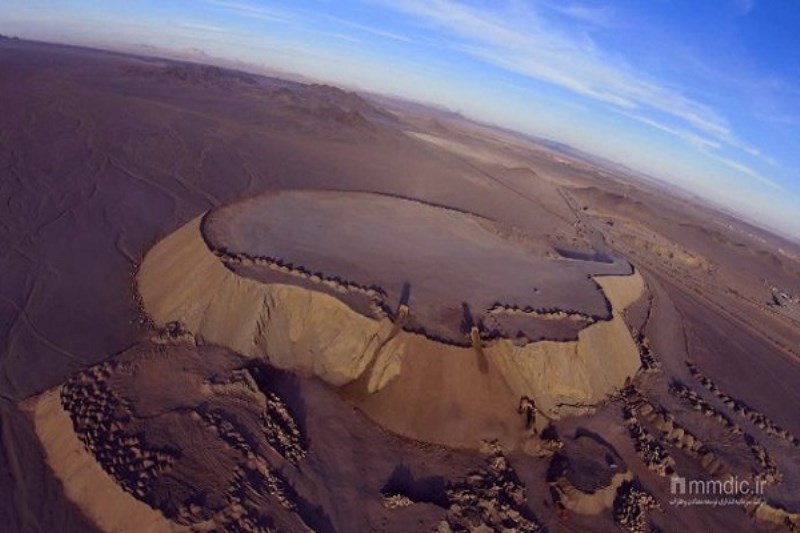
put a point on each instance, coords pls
(234, 302)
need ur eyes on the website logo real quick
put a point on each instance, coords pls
(715, 492)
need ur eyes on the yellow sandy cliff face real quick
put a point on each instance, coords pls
(564, 376)
(315, 334)
(295, 329)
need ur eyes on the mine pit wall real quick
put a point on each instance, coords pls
(305, 331)
(566, 377)
(315, 334)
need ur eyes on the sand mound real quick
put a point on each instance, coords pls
(306, 331)
(337, 327)
(772, 516)
(85, 482)
(137, 453)
(587, 474)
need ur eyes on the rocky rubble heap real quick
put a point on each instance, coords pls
(671, 432)
(769, 473)
(231, 436)
(631, 507)
(652, 453)
(281, 430)
(277, 422)
(396, 501)
(697, 403)
(491, 499)
(172, 333)
(254, 480)
(768, 469)
(742, 409)
(100, 419)
(650, 450)
(649, 361)
(376, 295)
(245, 512)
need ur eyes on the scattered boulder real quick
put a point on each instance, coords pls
(632, 505)
(490, 499)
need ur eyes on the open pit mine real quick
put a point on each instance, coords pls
(438, 324)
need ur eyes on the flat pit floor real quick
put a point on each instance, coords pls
(450, 267)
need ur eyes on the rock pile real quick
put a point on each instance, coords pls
(697, 403)
(649, 361)
(278, 424)
(256, 478)
(377, 296)
(652, 453)
(631, 507)
(100, 420)
(769, 473)
(281, 430)
(396, 501)
(742, 409)
(768, 470)
(671, 432)
(172, 333)
(491, 499)
(650, 450)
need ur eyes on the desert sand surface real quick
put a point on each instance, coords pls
(310, 364)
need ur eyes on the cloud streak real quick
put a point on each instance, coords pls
(205, 28)
(521, 40)
(594, 15)
(690, 137)
(371, 30)
(747, 171)
(251, 10)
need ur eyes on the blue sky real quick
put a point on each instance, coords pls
(705, 95)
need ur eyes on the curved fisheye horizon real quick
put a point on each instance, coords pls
(399, 266)
(701, 97)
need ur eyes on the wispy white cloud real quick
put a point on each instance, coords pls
(522, 40)
(341, 36)
(596, 15)
(251, 10)
(745, 170)
(370, 29)
(711, 149)
(299, 19)
(206, 28)
(519, 39)
(689, 136)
